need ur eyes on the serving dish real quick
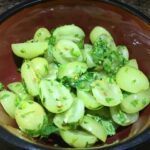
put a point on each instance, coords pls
(127, 25)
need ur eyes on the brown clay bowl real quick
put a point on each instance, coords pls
(127, 25)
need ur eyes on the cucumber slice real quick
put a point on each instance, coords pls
(131, 79)
(107, 93)
(95, 128)
(78, 139)
(122, 118)
(30, 78)
(136, 102)
(29, 50)
(55, 97)
(88, 100)
(9, 102)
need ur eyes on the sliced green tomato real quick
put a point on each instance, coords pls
(102, 113)
(55, 97)
(133, 63)
(75, 113)
(72, 70)
(97, 32)
(88, 100)
(91, 125)
(52, 71)
(30, 117)
(9, 102)
(122, 118)
(104, 117)
(40, 66)
(48, 54)
(72, 115)
(19, 89)
(136, 102)
(131, 79)
(124, 51)
(29, 50)
(30, 78)
(87, 55)
(69, 32)
(59, 122)
(107, 93)
(78, 139)
(67, 51)
(41, 34)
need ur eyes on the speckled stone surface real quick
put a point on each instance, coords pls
(141, 5)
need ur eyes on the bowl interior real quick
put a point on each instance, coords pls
(125, 27)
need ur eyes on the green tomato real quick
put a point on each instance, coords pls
(131, 79)
(30, 78)
(124, 51)
(107, 92)
(95, 128)
(40, 66)
(19, 89)
(41, 34)
(66, 51)
(30, 117)
(29, 50)
(133, 63)
(72, 70)
(70, 32)
(136, 102)
(122, 118)
(9, 102)
(88, 100)
(52, 71)
(97, 32)
(78, 139)
(55, 97)
(48, 54)
(103, 116)
(73, 115)
(87, 55)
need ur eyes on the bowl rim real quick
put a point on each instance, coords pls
(8, 137)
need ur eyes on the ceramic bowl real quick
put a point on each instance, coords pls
(127, 25)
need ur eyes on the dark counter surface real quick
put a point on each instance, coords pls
(141, 5)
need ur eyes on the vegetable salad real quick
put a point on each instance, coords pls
(80, 91)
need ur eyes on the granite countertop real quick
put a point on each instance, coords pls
(142, 5)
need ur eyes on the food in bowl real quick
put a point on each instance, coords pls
(81, 91)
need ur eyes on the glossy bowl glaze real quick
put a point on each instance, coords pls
(127, 25)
